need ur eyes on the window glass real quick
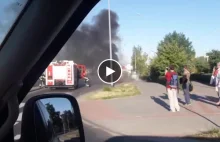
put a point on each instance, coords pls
(9, 12)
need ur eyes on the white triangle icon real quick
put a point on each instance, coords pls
(109, 71)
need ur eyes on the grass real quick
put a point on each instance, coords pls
(123, 90)
(213, 133)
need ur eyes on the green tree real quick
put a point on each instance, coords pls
(154, 69)
(214, 58)
(141, 61)
(170, 53)
(174, 49)
(202, 64)
(69, 119)
(182, 42)
(55, 116)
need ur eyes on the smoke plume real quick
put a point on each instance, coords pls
(89, 44)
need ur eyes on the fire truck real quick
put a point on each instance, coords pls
(62, 74)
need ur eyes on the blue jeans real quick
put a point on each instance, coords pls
(186, 92)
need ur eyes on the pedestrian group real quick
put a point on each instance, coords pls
(173, 84)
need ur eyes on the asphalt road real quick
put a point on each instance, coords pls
(92, 134)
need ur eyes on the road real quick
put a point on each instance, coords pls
(92, 134)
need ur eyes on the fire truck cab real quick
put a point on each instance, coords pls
(62, 74)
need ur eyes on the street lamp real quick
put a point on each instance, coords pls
(135, 63)
(110, 38)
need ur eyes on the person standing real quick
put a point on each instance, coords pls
(166, 70)
(185, 85)
(214, 74)
(172, 86)
(42, 80)
(217, 82)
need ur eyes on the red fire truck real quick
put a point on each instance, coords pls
(62, 74)
(65, 74)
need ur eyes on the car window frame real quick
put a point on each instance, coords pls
(47, 55)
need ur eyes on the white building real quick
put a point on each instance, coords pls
(207, 58)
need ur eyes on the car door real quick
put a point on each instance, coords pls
(36, 36)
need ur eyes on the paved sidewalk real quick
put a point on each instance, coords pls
(148, 115)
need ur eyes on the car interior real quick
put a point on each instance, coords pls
(36, 37)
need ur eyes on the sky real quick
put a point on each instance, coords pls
(60, 104)
(146, 22)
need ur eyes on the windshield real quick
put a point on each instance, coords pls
(9, 12)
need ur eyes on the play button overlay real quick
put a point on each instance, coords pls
(109, 71)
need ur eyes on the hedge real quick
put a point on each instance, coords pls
(203, 78)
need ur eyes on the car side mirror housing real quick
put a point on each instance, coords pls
(52, 117)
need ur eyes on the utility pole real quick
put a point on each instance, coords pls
(110, 39)
(135, 63)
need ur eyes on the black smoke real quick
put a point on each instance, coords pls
(89, 44)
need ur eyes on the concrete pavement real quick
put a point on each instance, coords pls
(147, 114)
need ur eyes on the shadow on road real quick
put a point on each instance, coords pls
(165, 97)
(160, 102)
(201, 98)
(212, 99)
(193, 96)
(159, 139)
(181, 102)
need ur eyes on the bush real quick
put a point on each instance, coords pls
(203, 78)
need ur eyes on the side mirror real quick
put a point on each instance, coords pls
(52, 118)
